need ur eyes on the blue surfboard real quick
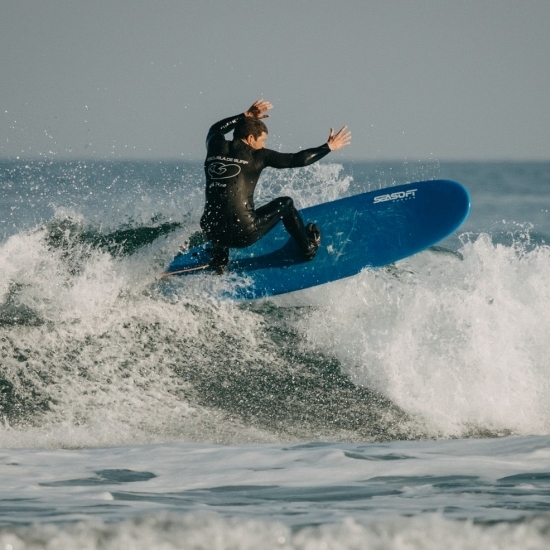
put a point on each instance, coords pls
(363, 231)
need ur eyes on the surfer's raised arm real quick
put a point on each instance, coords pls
(339, 140)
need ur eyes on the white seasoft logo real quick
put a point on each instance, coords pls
(222, 171)
(398, 196)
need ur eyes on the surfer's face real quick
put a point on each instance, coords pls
(257, 143)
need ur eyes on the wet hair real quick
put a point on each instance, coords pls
(249, 126)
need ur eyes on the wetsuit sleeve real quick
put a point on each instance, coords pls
(274, 159)
(217, 131)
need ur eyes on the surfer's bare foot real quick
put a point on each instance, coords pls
(314, 236)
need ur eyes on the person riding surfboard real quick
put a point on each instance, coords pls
(232, 169)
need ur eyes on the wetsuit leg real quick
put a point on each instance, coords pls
(219, 252)
(263, 221)
(269, 215)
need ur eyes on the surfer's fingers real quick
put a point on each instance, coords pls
(263, 105)
(341, 131)
(344, 135)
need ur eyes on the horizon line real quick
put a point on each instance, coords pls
(324, 160)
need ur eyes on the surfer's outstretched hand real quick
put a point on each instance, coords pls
(258, 109)
(340, 139)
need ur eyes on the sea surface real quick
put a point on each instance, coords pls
(404, 408)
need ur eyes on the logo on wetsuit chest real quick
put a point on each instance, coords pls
(221, 170)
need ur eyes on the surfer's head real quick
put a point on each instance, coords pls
(252, 131)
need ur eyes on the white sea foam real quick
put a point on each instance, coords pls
(198, 532)
(375, 487)
(459, 344)
(97, 358)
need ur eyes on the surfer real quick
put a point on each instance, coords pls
(232, 168)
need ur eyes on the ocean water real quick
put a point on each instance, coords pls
(404, 408)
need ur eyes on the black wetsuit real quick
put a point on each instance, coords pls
(232, 170)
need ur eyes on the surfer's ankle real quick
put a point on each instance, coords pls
(220, 269)
(220, 259)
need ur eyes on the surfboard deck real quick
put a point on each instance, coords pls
(368, 230)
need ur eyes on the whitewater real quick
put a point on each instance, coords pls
(395, 409)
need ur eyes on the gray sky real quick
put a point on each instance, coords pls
(423, 79)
